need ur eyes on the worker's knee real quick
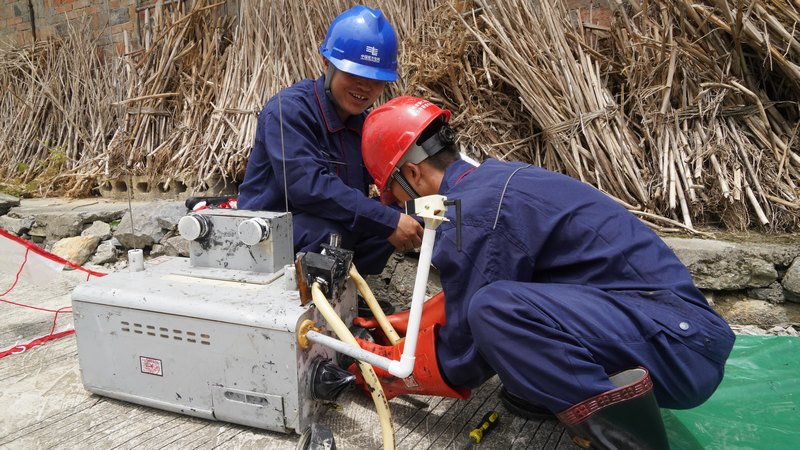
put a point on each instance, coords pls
(498, 308)
(683, 378)
(487, 301)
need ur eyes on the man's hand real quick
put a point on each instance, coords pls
(407, 235)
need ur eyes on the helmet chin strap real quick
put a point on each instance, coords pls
(328, 93)
(401, 180)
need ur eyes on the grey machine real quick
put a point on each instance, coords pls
(215, 335)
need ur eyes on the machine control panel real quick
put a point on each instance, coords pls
(236, 239)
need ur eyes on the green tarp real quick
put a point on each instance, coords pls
(755, 407)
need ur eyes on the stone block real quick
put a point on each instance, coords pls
(106, 253)
(15, 225)
(772, 293)
(152, 222)
(143, 188)
(76, 249)
(723, 266)
(7, 202)
(791, 282)
(99, 229)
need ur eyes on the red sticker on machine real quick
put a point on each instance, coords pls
(151, 366)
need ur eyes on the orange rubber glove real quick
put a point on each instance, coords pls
(426, 378)
(432, 314)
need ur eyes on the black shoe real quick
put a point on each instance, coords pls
(521, 408)
(364, 311)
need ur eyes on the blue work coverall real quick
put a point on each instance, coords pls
(557, 287)
(324, 176)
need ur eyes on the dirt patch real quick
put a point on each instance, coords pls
(743, 237)
(741, 310)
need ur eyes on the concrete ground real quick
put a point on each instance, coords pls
(46, 406)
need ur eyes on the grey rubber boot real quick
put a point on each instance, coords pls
(626, 417)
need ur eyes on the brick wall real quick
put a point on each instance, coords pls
(592, 11)
(15, 21)
(21, 20)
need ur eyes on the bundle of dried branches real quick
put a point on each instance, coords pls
(685, 111)
(720, 122)
(584, 132)
(170, 85)
(446, 65)
(54, 109)
(659, 116)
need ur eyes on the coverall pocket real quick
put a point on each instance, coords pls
(332, 163)
(699, 329)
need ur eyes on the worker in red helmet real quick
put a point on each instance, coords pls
(581, 310)
(307, 152)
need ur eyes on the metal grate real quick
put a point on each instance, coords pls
(175, 334)
(246, 398)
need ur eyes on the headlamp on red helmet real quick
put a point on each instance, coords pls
(441, 138)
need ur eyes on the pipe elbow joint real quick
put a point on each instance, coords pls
(403, 368)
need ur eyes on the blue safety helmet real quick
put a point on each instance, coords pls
(360, 41)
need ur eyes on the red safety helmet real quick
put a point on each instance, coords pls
(389, 138)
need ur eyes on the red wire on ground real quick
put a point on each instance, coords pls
(29, 246)
(17, 349)
(41, 252)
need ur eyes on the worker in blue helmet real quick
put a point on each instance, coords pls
(307, 152)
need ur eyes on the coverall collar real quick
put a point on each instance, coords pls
(453, 174)
(332, 121)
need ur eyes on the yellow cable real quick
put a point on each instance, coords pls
(366, 292)
(344, 334)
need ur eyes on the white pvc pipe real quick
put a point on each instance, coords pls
(135, 260)
(405, 366)
(349, 350)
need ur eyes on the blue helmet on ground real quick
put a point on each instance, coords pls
(360, 41)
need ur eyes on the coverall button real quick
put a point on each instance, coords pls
(684, 326)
